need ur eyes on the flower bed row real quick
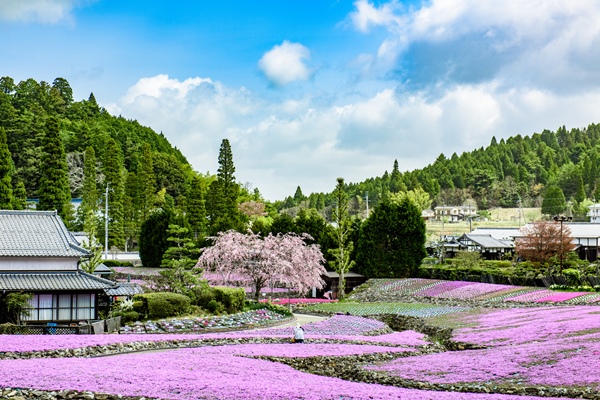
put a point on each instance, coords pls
(248, 319)
(461, 290)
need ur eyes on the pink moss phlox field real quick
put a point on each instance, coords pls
(526, 325)
(25, 343)
(550, 363)
(211, 373)
(464, 290)
(301, 350)
(405, 286)
(339, 327)
(284, 301)
(533, 295)
(470, 291)
(531, 346)
(561, 296)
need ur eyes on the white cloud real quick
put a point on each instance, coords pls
(553, 45)
(43, 11)
(285, 63)
(367, 15)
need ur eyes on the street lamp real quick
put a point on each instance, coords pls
(561, 219)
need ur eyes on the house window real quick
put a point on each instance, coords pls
(84, 306)
(41, 308)
(62, 307)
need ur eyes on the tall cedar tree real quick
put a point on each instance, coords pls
(392, 241)
(396, 184)
(341, 263)
(554, 201)
(153, 237)
(19, 196)
(89, 195)
(223, 211)
(146, 181)
(196, 210)
(6, 195)
(54, 192)
(131, 210)
(113, 166)
(540, 241)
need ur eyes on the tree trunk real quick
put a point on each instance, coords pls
(341, 285)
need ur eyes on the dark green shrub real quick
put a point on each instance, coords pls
(232, 298)
(161, 304)
(215, 307)
(573, 276)
(127, 316)
(117, 263)
(277, 308)
(203, 294)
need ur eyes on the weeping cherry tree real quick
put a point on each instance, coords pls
(272, 260)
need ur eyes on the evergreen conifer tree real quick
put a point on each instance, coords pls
(146, 182)
(196, 209)
(342, 262)
(19, 196)
(54, 192)
(554, 201)
(392, 241)
(113, 165)
(396, 184)
(6, 195)
(89, 194)
(222, 203)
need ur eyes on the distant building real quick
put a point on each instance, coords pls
(454, 213)
(594, 213)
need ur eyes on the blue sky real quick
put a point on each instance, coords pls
(308, 91)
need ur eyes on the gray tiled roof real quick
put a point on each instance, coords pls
(30, 233)
(102, 269)
(487, 241)
(125, 289)
(39, 281)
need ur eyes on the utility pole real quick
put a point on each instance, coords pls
(106, 225)
(367, 193)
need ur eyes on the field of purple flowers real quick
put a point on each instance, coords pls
(552, 348)
(460, 290)
(549, 352)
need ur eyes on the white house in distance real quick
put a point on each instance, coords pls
(594, 213)
(455, 213)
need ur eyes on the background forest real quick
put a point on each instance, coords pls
(56, 149)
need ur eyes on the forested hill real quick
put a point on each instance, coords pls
(517, 171)
(25, 108)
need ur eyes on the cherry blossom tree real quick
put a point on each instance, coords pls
(275, 259)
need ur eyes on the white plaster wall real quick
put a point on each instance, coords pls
(38, 264)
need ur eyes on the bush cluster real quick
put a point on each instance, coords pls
(220, 299)
(279, 309)
(117, 263)
(160, 304)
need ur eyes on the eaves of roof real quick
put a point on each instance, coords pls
(53, 281)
